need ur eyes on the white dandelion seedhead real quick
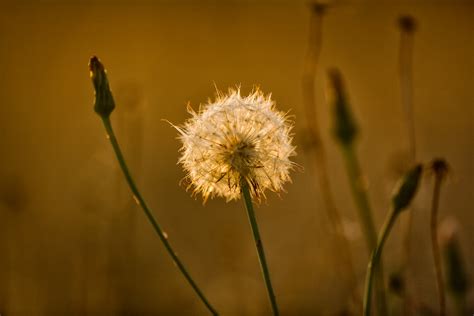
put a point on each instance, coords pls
(235, 139)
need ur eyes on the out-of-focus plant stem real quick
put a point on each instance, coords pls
(439, 167)
(407, 26)
(435, 246)
(320, 168)
(457, 280)
(358, 187)
(259, 245)
(400, 201)
(345, 131)
(361, 198)
(375, 258)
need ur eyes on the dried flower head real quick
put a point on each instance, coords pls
(440, 168)
(407, 23)
(235, 139)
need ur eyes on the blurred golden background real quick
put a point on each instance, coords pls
(72, 241)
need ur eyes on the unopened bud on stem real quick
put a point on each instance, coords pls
(345, 128)
(407, 189)
(457, 279)
(104, 101)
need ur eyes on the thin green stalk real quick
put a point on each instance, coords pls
(360, 195)
(435, 245)
(141, 202)
(345, 131)
(375, 258)
(361, 198)
(400, 201)
(258, 244)
(407, 25)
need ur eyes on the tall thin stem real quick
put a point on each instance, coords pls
(258, 244)
(361, 198)
(400, 201)
(141, 202)
(435, 246)
(320, 162)
(407, 25)
(375, 259)
(359, 192)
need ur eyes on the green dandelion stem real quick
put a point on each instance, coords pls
(400, 201)
(435, 245)
(360, 195)
(361, 199)
(258, 244)
(375, 258)
(141, 202)
(346, 131)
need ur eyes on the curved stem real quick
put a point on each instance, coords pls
(141, 202)
(435, 246)
(258, 244)
(375, 258)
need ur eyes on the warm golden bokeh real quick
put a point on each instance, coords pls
(73, 242)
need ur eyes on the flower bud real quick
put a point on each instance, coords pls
(345, 128)
(407, 189)
(104, 101)
(407, 23)
(440, 168)
(457, 280)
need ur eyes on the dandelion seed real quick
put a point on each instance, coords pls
(236, 139)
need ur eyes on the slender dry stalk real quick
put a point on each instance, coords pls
(320, 168)
(440, 168)
(435, 247)
(407, 26)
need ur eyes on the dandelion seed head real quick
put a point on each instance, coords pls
(234, 139)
